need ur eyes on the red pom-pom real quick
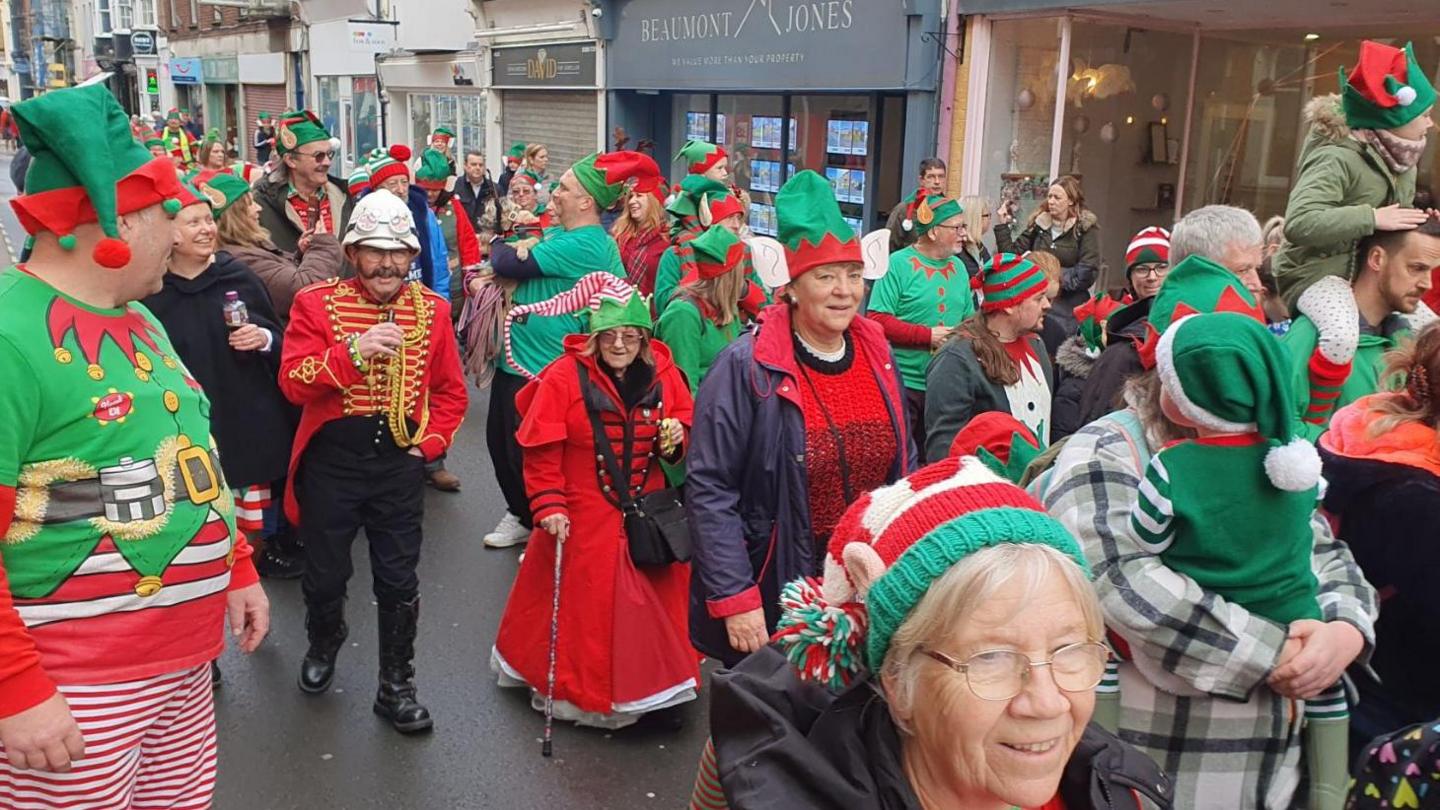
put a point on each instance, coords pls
(111, 253)
(400, 152)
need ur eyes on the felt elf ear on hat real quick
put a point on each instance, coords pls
(433, 173)
(1195, 285)
(1004, 443)
(717, 252)
(1092, 316)
(926, 211)
(1227, 372)
(609, 300)
(700, 156)
(1387, 89)
(885, 552)
(85, 167)
(393, 162)
(811, 233)
(297, 128)
(603, 174)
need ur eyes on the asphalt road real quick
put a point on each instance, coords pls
(280, 749)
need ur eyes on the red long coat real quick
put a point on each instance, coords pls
(622, 629)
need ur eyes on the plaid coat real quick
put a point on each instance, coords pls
(1232, 744)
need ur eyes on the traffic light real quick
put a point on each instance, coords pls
(152, 81)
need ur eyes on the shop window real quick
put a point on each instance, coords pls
(420, 118)
(472, 126)
(328, 91)
(691, 119)
(1020, 114)
(751, 128)
(833, 138)
(365, 114)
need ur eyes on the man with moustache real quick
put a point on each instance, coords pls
(374, 364)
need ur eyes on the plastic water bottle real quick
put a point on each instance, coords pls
(236, 315)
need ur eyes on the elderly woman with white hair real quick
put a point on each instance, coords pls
(949, 659)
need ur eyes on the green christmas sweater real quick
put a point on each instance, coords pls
(564, 257)
(924, 291)
(121, 540)
(694, 339)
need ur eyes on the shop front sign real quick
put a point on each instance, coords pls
(185, 70)
(759, 44)
(570, 64)
(222, 70)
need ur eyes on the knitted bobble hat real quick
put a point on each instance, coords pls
(1008, 280)
(700, 156)
(1195, 285)
(1004, 443)
(359, 180)
(609, 300)
(86, 167)
(1387, 89)
(1150, 246)
(392, 163)
(810, 227)
(1224, 371)
(925, 212)
(888, 548)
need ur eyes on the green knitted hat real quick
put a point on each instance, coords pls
(446, 131)
(810, 226)
(222, 189)
(1193, 286)
(297, 128)
(433, 171)
(1008, 280)
(1386, 90)
(359, 180)
(699, 156)
(264, 116)
(923, 214)
(85, 167)
(1226, 372)
(887, 550)
(603, 175)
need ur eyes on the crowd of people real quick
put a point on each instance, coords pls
(962, 526)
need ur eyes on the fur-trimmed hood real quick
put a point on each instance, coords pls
(1074, 359)
(1326, 119)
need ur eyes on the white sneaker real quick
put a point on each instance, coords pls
(508, 532)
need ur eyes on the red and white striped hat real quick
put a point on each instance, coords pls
(1150, 245)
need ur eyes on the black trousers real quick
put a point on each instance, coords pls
(342, 491)
(501, 426)
(915, 408)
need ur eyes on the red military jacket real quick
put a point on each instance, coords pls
(317, 373)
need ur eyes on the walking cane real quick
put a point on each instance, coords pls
(545, 746)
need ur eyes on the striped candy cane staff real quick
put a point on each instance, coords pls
(545, 746)
(587, 293)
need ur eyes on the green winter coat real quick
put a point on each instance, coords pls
(694, 340)
(1365, 371)
(1340, 183)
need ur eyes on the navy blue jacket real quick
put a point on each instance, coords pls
(746, 487)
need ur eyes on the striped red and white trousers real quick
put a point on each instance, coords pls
(148, 744)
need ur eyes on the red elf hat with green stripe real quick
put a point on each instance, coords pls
(603, 175)
(1008, 280)
(85, 167)
(700, 155)
(810, 227)
(1386, 90)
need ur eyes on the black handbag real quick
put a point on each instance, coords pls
(656, 530)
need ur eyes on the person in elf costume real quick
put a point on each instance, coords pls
(441, 140)
(705, 159)
(1226, 377)
(1076, 358)
(619, 648)
(120, 555)
(156, 145)
(700, 204)
(522, 214)
(390, 171)
(514, 156)
(931, 182)
(359, 181)
(264, 139)
(437, 177)
(704, 318)
(177, 138)
(299, 196)
(923, 296)
(1357, 176)
(542, 270)
(373, 362)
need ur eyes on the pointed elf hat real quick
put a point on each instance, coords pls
(443, 132)
(222, 189)
(85, 167)
(393, 162)
(1386, 90)
(434, 171)
(1149, 246)
(297, 128)
(717, 252)
(1008, 280)
(925, 212)
(1195, 285)
(1004, 443)
(515, 153)
(700, 156)
(885, 552)
(1092, 316)
(810, 226)
(1227, 372)
(610, 301)
(603, 175)
(703, 200)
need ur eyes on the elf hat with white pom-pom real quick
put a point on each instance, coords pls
(887, 549)
(1387, 89)
(1226, 372)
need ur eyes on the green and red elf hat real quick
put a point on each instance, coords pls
(1008, 280)
(297, 128)
(704, 199)
(809, 225)
(1195, 285)
(1004, 443)
(444, 133)
(393, 162)
(603, 175)
(515, 154)
(221, 188)
(153, 140)
(717, 252)
(1150, 246)
(700, 156)
(85, 167)
(1092, 316)
(1386, 90)
(924, 213)
(172, 114)
(434, 171)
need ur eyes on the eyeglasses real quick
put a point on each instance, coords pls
(952, 227)
(400, 257)
(1001, 674)
(1155, 270)
(328, 154)
(625, 337)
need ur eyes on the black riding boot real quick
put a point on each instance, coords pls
(395, 699)
(325, 625)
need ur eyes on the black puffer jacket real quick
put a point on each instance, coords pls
(785, 744)
(1120, 361)
(1073, 364)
